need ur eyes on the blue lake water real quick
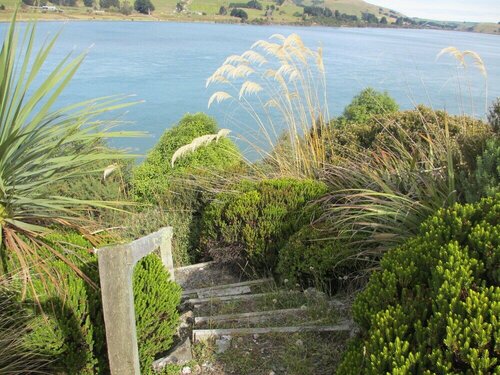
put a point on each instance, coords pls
(167, 64)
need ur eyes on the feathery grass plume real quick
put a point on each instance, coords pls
(197, 143)
(281, 85)
(219, 97)
(41, 146)
(109, 170)
(477, 61)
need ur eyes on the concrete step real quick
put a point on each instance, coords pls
(225, 289)
(205, 334)
(209, 274)
(199, 301)
(253, 317)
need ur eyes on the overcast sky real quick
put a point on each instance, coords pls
(446, 10)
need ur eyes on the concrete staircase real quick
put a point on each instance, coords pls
(221, 305)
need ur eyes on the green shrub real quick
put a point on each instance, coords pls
(155, 179)
(485, 179)
(16, 322)
(70, 328)
(72, 332)
(156, 301)
(413, 131)
(494, 115)
(308, 259)
(434, 307)
(138, 224)
(367, 104)
(256, 219)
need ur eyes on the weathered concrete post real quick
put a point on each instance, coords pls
(116, 267)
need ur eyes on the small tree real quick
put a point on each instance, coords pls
(222, 10)
(144, 6)
(370, 18)
(109, 3)
(383, 21)
(254, 4)
(240, 13)
(126, 8)
(88, 3)
(368, 103)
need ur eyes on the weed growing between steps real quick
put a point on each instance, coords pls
(271, 299)
(313, 311)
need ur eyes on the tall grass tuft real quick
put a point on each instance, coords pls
(15, 324)
(381, 193)
(281, 85)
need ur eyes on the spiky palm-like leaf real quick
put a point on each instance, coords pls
(40, 145)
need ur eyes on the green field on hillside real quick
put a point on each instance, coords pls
(208, 11)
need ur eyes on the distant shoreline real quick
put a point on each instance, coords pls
(45, 17)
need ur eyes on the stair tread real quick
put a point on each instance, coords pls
(226, 286)
(202, 319)
(202, 275)
(207, 333)
(195, 301)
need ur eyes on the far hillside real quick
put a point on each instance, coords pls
(352, 13)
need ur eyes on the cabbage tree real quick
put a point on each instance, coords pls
(41, 145)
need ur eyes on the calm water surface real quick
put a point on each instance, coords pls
(166, 64)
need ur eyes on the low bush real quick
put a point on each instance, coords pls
(368, 103)
(16, 322)
(138, 224)
(484, 181)
(434, 306)
(310, 260)
(494, 115)
(156, 181)
(413, 131)
(156, 301)
(388, 175)
(69, 326)
(256, 219)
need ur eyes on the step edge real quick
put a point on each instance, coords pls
(194, 301)
(343, 326)
(203, 319)
(227, 286)
(194, 266)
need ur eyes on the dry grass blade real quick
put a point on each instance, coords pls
(15, 323)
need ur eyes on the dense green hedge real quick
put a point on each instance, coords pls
(155, 179)
(256, 219)
(73, 333)
(71, 329)
(156, 301)
(366, 104)
(310, 259)
(484, 180)
(412, 130)
(435, 305)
